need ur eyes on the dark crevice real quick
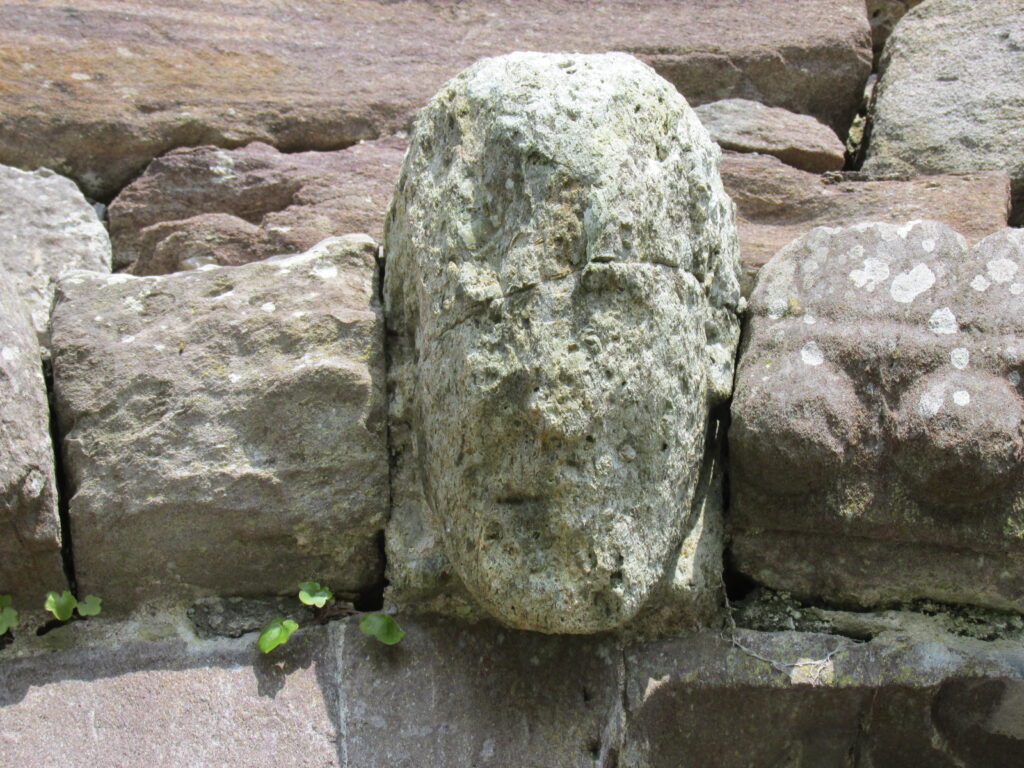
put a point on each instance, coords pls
(67, 551)
(372, 598)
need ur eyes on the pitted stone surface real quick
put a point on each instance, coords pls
(30, 561)
(951, 96)
(876, 436)
(561, 286)
(223, 429)
(46, 229)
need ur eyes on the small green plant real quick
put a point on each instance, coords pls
(321, 600)
(63, 605)
(8, 616)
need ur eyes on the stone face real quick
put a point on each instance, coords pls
(223, 429)
(97, 92)
(950, 97)
(883, 15)
(775, 204)
(876, 426)
(798, 140)
(458, 695)
(206, 205)
(30, 560)
(826, 701)
(46, 229)
(169, 703)
(555, 214)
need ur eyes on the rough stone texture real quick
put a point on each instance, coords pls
(883, 15)
(476, 696)
(827, 701)
(555, 214)
(876, 433)
(30, 561)
(775, 204)
(97, 91)
(46, 229)
(951, 95)
(168, 703)
(223, 429)
(213, 206)
(748, 126)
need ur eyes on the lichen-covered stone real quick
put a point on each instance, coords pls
(30, 561)
(47, 228)
(876, 438)
(561, 286)
(223, 429)
(797, 140)
(951, 95)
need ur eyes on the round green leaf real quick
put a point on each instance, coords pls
(61, 605)
(8, 619)
(6, 601)
(276, 633)
(90, 606)
(384, 628)
(311, 593)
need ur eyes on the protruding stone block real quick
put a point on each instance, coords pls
(30, 561)
(561, 289)
(877, 438)
(47, 228)
(224, 428)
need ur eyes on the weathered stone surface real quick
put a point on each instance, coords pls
(801, 699)
(457, 695)
(883, 15)
(776, 204)
(96, 92)
(168, 703)
(223, 429)
(555, 214)
(213, 206)
(876, 433)
(46, 229)
(30, 561)
(748, 126)
(951, 96)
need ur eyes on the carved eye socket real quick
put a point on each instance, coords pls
(792, 423)
(958, 436)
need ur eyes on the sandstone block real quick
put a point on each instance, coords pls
(950, 96)
(223, 429)
(96, 92)
(206, 205)
(555, 215)
(876, 435)
(30, 537)
(797, 140)
(46, 229)
(775, 204)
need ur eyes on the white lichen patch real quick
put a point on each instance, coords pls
(268, 307)
(960, 358)
(1017, 288)
(325, 271)
(980, 283)
(962, 397)
(1001, 270)
(811, 354)
(928, 244)
(943, 322)
(931, 402)
(907, 286)
(8, 353)
(810, 319)
(873, 272)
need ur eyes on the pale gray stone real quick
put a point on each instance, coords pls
(797, 140)
(30, 561)
(224, 428)
(877, 423)
(46, 229)
(562, 289)
(883, 16)
(951, 94)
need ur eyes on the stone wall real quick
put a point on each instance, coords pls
(664, 383)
